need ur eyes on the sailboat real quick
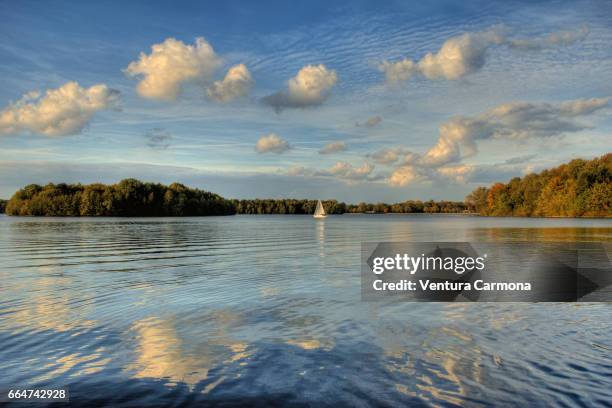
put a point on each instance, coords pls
(319, 211)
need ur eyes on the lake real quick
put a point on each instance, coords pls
(267, 310)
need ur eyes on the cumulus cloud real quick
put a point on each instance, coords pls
(347, 171)
(236, 84)
(561, 38)
(62, 111)
(406, 174)
(516, 120)
(340, 170)
(484, 173)
(458, 57)
(465, 54)
(171, 64)
(333, 147)
(458, 173)
(399, 71)
(272, 143)
(392, 155)
(459, 136)
(371, 122)
(310, 87)
(158, 138)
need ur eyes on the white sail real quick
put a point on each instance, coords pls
(320, 211)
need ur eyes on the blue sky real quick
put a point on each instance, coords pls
(507, 88)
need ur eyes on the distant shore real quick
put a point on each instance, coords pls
(578, 189)
(334, 215)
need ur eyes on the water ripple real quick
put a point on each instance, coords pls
(262, 310)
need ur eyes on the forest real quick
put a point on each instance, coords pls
(580, 188)
(128, 198)
(134, 198)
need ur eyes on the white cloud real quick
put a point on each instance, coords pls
(391, 155)
(170, 65)
(485, 173)
(310, 87)
(404, 175)
(561, 38)
(272, 143)
(458, 57)
(399, 71)
(371, 122)
(459, 173)
(311, 84)
(516, 120)
(62, 111)
(458, 138)
(455, 173)
(236, 84)
(340, 170)
(333, 147)
(465, 54)
(346, 171)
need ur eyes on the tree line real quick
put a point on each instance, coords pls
(134, 198)
(129, 197)
(293, 206)
(286, 206)
(580, 188)
(410, 206)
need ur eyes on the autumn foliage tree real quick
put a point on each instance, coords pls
(579, 188)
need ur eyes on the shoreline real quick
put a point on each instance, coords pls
(310, 215)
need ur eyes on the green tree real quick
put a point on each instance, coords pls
(129, 197)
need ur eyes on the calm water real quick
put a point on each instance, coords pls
(266, 310)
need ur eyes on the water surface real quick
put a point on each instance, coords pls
(263, 310)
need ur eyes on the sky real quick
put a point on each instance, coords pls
(357, 101)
